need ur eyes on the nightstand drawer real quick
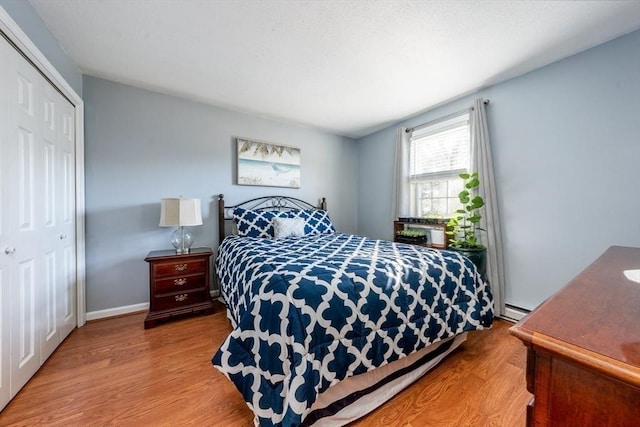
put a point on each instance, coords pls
(179, 284)
(178, 300)
(179, 268)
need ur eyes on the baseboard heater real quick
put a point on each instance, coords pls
(514, 313)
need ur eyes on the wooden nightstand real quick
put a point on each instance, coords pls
(178, 284)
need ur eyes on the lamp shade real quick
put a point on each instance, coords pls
(178, 212)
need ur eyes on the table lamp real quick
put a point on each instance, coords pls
(182, 213)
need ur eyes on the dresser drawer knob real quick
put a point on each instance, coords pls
(183, 297)
(179, 282)
(181, 267)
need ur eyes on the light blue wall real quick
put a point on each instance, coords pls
(29, 21)
(566, 146)
(141, 146)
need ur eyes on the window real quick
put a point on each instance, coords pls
(438, 153)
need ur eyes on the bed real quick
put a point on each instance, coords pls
(326, 325)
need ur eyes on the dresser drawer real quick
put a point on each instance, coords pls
(173, 268)
(178, 300)
(179, 284)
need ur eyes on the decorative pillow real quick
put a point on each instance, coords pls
(288, 227)
(316, 221)
(255, 223)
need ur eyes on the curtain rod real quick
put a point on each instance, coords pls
(442, 119)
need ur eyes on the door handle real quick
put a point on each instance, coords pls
(9, 251)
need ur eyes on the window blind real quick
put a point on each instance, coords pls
(441, 150)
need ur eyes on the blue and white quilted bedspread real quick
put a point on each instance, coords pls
(308, 312)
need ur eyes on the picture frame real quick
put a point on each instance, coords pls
(267, 164)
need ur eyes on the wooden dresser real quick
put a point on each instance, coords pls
(178, 284)
(583, 348)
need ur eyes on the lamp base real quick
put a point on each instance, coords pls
(182, 240)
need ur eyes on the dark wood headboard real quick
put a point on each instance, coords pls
(270, 203)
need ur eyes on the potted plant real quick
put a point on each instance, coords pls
(464, 226)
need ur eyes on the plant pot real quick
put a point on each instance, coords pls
(477, 256)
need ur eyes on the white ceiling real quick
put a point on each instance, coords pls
(345, 66)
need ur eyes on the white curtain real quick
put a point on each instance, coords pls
(401, 202)
(481, 161)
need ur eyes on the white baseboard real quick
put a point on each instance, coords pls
(514, 313)
(127, 309)
(510, 312)
(117, 311)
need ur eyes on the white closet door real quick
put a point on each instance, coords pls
(66, 210)
(5, 261)
(58, 219)
(48, 220)
(38, 281)
(25, 203)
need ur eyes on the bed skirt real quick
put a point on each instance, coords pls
(356, 396)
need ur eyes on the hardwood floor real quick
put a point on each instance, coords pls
(115, 373)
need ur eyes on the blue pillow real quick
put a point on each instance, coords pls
(255, 223)
(316, 221)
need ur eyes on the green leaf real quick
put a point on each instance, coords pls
(473, 183)
(477, 202)
(474, 219)
(464, 175)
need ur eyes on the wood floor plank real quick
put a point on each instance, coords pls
(115, 373)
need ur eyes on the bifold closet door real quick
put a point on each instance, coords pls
(5, 261)
(37, 242)
(22, 193)
(57, 219)
(67, 289)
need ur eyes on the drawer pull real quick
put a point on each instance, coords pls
(183, 297)
(179, 282)
(181, 267)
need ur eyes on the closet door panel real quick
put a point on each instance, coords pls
(25, 353)
(24, 147)
(26, 186)
(49, 316)
(51, 269)
(5, 384)
(65, 196)
(5, 259)
(48, 222)
(68, 292)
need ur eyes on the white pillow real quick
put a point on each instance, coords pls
(288, 227)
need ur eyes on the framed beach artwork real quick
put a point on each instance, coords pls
(268, 164)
